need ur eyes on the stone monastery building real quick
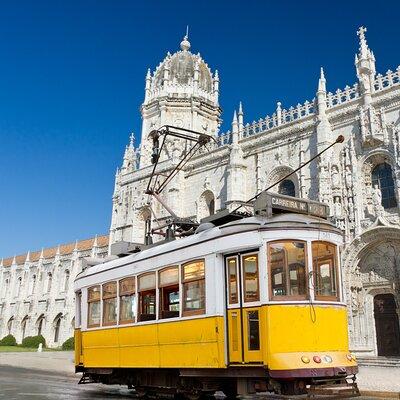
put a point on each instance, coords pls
(359, 179)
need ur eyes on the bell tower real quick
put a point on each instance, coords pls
(183, 92)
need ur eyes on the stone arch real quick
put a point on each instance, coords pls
(367, 165)
(371, 265)
(24, 324)
(57, 327)
(40, 322)
(145, 221)
(10, 324)
(278, 173)
(206, 204)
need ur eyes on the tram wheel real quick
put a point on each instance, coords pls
(230, 390)
(294, 387)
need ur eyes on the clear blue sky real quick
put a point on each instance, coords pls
(72, 81)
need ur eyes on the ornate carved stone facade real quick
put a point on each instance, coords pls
(36, 290)
(360, 179)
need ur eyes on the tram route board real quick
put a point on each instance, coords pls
(270, 203)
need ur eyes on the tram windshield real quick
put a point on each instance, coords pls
(288, 270)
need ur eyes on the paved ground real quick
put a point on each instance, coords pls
(23, 384)
(19, 383)
(385, 379)
(64, 385)
(58, 361)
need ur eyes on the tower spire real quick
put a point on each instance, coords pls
(365, 66)
(322, 82)
(185, 44)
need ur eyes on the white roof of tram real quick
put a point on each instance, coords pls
(279, 221)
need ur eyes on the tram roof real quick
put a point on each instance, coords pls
(282, 221)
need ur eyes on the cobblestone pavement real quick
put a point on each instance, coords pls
(385, 379)
(369, 378)
(24, 384)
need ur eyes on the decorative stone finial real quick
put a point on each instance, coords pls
(322, 82)
(131, 139)
(185, 44)
(240, 108)
(361, 34)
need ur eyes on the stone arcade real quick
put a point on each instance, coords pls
(360, 180)
(37, 290)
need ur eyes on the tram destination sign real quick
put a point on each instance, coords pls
(271, 203)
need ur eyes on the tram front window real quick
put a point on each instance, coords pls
(147, 297)
(169, 292)
(193, 288)
(325, 271)
(287, 260)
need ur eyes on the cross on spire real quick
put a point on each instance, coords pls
(361, 32)
(363, 41)
(187, 32)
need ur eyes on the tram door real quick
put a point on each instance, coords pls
(243, 310)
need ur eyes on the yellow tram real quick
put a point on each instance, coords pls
(243, 305)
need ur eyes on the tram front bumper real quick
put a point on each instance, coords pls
(325, 372)
(312, 365)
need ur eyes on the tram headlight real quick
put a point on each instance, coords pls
(305, 360)
(317, 359)
(350, 357)
(328, 359)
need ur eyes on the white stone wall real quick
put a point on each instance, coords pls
(42, 290)
(252, 156)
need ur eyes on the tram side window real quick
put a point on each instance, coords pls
(147, 297)
(169, 292)
(287, 261)
(193, 287)
(233, 280)
(110, 303)
(94, 306)
(127, 300)
(250, 272)
(325, 271)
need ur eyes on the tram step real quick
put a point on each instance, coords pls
(378, 361)
(336, 391)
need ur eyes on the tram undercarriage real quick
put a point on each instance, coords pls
(234, 382)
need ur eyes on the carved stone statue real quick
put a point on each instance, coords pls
(335, 177)
(351, 209)
(377, 199)
(337, 208)
(349, 178)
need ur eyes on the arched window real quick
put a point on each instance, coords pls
(66, 282)
(49, 281)
(33, 284)
(10, 325)
(23, 326)
(147, 227)
(383, 178)
(211, 206)
(287, 188)
(40, 323)
(206, 205)
(57, 325)
(19, 285)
